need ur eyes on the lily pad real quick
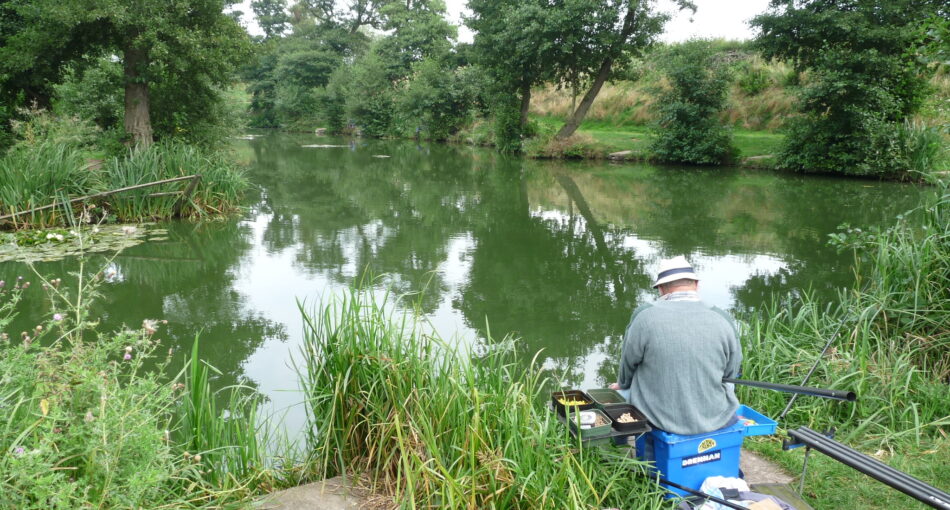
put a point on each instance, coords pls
(110, 238)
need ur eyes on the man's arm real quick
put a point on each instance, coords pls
(632, 352)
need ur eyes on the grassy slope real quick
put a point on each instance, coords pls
(610, 139)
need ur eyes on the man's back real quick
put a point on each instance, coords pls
(675, 355)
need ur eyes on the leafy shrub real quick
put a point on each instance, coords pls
(688, 129)
(435, 101)
(752, 79)
(506, 112)
(91, 420)
(370, 96)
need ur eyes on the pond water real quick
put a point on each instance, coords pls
(555, 253)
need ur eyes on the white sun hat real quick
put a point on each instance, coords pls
(676, 268)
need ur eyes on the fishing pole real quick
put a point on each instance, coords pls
(821, 355)
(797, 390)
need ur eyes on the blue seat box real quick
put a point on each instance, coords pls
(689, 460)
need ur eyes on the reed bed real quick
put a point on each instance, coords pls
(219, 191)
(893, 338)
(433, 426)
(48, 173)
(39, 175)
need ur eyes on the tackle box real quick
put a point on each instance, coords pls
(761, 425)
(571, 395)
(606, 397)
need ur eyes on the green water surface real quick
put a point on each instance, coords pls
(555, 253)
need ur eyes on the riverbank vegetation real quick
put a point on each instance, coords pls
(429, 424)
(892, 336)
(58, 160)
(317, 69)
(95, 418)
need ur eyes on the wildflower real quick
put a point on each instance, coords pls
(127, 357)
(187, 455)
(73, 233)
(2, 284)
(89, 417)
(5, 337)
(57, 317)
(128, 349)
(50, 236)
(60, 237)
(197, 457)
(56, 282)
(19, 278)
(18, 450)
(26, 285)
(150, 326)
(39, 328)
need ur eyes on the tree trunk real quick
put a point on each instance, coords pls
(525, 103)
(630, 21)
(578, 116)
(138, 123)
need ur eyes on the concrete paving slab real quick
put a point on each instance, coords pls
(330, 494)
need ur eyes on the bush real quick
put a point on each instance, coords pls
(435, 102)
(752, 79)
(688, 129)
(90, 419)
(370, 97)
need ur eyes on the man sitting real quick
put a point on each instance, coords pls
(676, 352)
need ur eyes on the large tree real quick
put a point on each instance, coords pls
(524, 43)
(864, 78)
(192, 40)
(611, 34)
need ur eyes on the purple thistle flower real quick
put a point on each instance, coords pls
(18, 450)
(57, 317)
(127, 357)
(2, 284)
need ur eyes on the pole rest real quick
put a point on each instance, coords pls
(789, 444)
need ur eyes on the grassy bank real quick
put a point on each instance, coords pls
(892, 350)
(597, 139)
(95, 419)
(433, 426)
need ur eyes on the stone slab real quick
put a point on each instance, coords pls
(330, 494)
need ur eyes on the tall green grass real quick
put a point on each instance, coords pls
(893, 347)
(219, 191)
(43, 174)
(433, 426)
(40, 175)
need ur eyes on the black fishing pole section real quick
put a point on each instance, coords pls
(799, 390)
(703, 495)
(927, 494)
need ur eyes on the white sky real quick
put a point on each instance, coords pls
(727, 19)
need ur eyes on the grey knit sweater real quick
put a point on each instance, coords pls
(675, 354)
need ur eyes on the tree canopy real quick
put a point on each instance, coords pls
(866, 78)
(188, 41)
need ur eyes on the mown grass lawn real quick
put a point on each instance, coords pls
(637, 138)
